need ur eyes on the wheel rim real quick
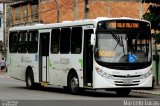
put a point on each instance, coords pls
(74, 84)
(29, 81)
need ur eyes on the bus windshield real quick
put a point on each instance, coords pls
(112, 47)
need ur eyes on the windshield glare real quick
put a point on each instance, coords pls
(123, 48)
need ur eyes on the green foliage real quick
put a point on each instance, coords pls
(157, 38)
(153, 15)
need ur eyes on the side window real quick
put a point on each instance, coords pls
(33, 42)
(76, 40)
(65, 40)
(13, 42)
(55, 40)
(22, 47)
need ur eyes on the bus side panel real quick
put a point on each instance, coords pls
(36, 74)
(57, 70)
(16, 72)
(60, 66)
(18, 64)
(14, 68)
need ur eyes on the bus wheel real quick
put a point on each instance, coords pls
(29, 80)
(74, 84)
(123, 92)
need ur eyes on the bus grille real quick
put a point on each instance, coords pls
(125, 67)
(126, 84)
(125, 76)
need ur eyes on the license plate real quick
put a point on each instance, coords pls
(127, 81)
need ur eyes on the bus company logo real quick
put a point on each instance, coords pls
(128, 76)
(25, 59)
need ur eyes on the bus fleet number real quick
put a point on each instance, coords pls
(64, 61)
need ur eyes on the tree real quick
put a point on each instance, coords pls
(153, 13)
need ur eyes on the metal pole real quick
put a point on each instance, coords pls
(57, 3)
(75, 10)
(140, 9)
(4, 32)
(108, 8)
(157, 59)
(86, 9)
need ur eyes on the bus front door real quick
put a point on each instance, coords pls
(43, 56)
(87, 58)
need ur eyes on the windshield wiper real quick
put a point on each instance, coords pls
(122, 44)
(118, 40)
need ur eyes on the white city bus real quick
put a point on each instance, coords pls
(102, 53)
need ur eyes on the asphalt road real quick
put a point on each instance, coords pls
(11, 89)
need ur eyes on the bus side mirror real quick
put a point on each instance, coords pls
(93, 39)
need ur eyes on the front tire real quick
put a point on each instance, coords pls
(73, 84)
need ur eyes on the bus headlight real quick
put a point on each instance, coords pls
(146, 74)
(103, 74)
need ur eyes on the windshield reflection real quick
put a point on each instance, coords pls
(114, 47)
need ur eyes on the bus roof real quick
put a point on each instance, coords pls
(69, 23)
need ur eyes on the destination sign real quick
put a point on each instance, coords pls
(123, 24)
(117, 25)
(127, 25)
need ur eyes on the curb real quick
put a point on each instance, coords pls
(141, 92)
(147, 92)
(4, 76)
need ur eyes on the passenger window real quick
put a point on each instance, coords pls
(22, 45)
(76, 40)
(65, 40)
(13, 42)
(55, 40)
(33, 42)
